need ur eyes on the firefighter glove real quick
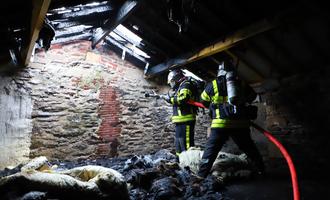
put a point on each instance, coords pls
(167, 98)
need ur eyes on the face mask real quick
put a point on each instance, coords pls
(172, 84)
(173, 79)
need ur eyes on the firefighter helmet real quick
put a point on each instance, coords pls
(175, 77)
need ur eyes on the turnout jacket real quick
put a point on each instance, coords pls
(222, 113)
(182, 111)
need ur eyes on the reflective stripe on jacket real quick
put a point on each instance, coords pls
(215, 95)
(182, 111)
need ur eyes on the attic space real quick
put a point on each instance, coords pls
(87, 111)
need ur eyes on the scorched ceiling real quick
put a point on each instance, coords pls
(268, 40)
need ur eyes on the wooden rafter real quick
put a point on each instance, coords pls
(156, 37)
(122, 13)
(82, 12)
(245, 70)
(40, 8)
(212, 49)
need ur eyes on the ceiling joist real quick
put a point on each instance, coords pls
(122, 13)
(217, 47)
(245, 70)
(75, 13)
(156, 37)
(40, 8)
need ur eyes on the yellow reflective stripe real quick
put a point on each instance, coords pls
(227, 123)
(185, 91)
(187, 137)
(231, 121)
(177, 153)
(215, 88)
(205, 96)
(179, 112)
(218, 125)
(217, 113)
(183, 94)
(184, 118)
(172, 100)
(216, 98)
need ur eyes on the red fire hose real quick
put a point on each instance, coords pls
(294, 179)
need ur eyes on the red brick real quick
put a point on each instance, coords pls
(109, 113)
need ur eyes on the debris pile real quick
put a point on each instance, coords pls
(151, 177)
(38, 180)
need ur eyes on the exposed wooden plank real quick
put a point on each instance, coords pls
(123, 12)
(94, 19)
(61, 3)
(205, 13)
(161, 23)
(155, 38)
(76, 12)
(155, 49)
(270, 62)
(73, 38)
(217, 47)
(40, 8)
(76, 30)
(110, 40)
(245, 70)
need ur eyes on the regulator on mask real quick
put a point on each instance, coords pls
(232, 83)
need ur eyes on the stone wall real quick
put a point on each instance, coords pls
(297, 115)
(15, 125)
(15, 119)
(74, 102)
(79, 103)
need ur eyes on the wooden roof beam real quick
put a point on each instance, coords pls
(75, 12)
(217, 47)
(72, 31)
(122, 13)
(73, 38)
(62, 3)
(245, 70)
(162, 24)
(40, 8)
(155, 37)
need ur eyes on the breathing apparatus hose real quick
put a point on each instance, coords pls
(294, 179)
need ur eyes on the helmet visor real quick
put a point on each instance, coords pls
(172, 83)
(170, 77)
(174, 78)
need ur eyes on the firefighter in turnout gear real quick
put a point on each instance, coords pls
(227, 99)
(184, 114)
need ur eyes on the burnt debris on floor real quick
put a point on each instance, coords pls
(156, 176)
(148, 177)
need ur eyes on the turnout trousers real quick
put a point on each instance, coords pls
(184, 136)
(218, 137)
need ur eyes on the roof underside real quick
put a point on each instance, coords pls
(269, 40)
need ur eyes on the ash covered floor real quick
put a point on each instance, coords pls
(158, 177)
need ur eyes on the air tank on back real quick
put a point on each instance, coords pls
(232, 84)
